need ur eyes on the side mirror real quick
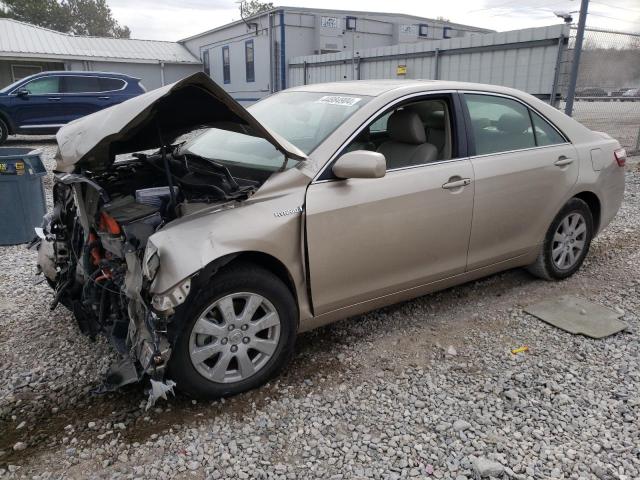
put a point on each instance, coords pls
(360, 164)
(22, 92)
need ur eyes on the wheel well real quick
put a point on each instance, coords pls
(6, 121)
(261, 259)
(593, 202)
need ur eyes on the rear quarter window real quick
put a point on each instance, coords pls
(111, 84)
(545, 133)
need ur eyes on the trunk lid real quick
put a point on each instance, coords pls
(92, 142)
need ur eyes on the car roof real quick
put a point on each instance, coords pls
(80, 72)
(376, 88)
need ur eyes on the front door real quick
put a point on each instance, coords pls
(367, 238)
(373, 237)
(39, 105)
(524, 169)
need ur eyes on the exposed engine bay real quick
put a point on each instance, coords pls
(93, 247)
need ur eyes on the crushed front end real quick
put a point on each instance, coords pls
(96, 254)
(95, 248)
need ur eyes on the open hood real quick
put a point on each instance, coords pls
(92, 142)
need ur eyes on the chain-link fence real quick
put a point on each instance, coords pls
(607, 96)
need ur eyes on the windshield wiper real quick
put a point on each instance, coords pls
(218, 167)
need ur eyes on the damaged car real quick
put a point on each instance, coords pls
(201, 237)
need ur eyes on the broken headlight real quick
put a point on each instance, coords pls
(150, 261)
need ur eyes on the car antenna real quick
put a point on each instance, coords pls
(165, 163)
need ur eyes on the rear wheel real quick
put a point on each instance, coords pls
(238, 333)
(566, 243)
(4, 131)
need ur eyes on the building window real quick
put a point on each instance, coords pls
(423, 30)
(205, 62)
(248, 57)
(226, 65)
(445, 32)
(18, 72)
(351, 23)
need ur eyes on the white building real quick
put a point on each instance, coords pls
(27, 49)
(249, 57)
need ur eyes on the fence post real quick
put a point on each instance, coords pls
(304, 72)
(556, 72)
(436, 75)
(575, 65)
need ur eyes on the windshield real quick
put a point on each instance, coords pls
(303, 118)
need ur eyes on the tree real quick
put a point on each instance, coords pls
(80, 17)
(93, 17)
(45, 13)
(248, 8)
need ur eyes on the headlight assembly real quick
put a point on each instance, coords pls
(150, 261)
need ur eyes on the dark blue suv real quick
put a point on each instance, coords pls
(40, 104)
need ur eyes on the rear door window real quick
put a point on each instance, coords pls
(499, 124)
(81, 84)
(43, 86)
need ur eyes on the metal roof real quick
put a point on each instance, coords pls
(23, 40)
(331, 11)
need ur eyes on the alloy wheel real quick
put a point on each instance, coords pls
(569, 241)
(234, 337)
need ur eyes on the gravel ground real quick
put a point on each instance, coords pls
(428, 388)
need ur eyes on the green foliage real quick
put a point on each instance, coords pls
(249, 8)
(80, 17)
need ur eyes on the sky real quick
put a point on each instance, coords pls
(177, 19)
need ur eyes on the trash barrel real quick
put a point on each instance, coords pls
(22, 202)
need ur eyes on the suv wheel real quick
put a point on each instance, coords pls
(4, 131)
(239, 332)
(566, 243)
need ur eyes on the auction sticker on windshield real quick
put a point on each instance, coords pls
(339, 100)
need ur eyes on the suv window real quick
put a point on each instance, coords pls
(43, 86)
(545, 133)
(499, 124)
(111, 84)
(81, 84)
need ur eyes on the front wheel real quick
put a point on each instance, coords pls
(566, 243)
(237, 333)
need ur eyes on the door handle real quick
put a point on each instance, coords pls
(563, 161)
(54, 99)
(451, 185)
(104, 98)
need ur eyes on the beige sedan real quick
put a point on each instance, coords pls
(315, 204)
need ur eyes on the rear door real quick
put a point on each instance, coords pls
(83, 95)
(368, 238)
(524, 168)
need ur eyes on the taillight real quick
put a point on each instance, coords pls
(621, 156)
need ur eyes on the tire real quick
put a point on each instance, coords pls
(550, 268)
(201, 376)
(4, 131)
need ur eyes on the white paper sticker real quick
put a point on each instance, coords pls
(339, 100)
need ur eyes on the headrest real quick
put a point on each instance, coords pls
(511, 123)
(434, 119)
(405, 126)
